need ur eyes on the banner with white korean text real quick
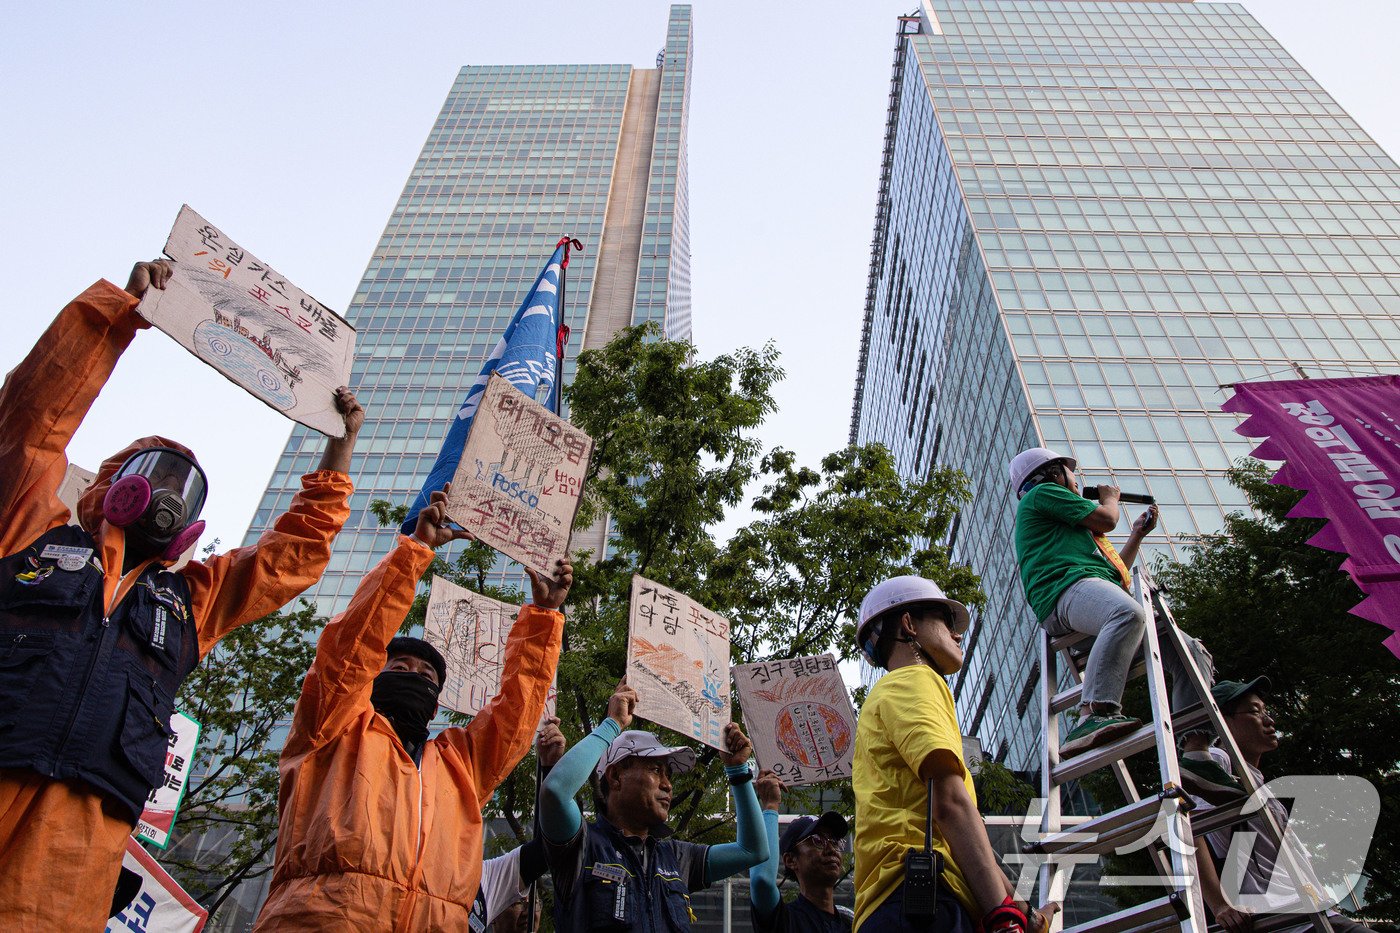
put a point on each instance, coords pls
(244, 318)
(1340, 441)
(799, 718)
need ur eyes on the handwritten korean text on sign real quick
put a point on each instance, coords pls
(520, 479)
(678, 662)
(244, 318)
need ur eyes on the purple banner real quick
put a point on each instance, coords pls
(1340, 443)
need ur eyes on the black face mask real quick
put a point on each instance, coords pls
(408, 701)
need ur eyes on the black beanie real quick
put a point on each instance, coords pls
(418, 648)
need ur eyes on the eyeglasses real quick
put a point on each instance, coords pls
(819, 841)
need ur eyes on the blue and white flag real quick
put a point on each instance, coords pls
(525, 356)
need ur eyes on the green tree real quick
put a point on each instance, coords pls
(676, 451)
(1265, 602)
(241, 692)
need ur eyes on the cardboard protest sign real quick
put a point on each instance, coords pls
(163, 804)
(160, 905)
(76, 480)
(520, 479)
(471, 631)
(243, 318)
(678, 662)
(799, 717)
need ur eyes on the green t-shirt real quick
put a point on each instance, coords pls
(1053, 549)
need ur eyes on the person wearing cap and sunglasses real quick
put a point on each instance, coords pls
(1247, 717)
(908, 760)
(380, 826)
(811, 852)
(621, 872)
(98, 629)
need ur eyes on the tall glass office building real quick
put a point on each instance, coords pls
(1091, 216)
(519, 156)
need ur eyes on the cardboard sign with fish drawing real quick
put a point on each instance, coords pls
(799, 717)
(678, 662)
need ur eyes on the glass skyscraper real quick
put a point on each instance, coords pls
(1091, 216)
(519, 156)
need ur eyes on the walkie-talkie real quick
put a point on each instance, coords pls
(922, 869)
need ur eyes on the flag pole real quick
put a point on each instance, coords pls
(561, 343)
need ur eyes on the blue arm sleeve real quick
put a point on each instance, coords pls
(560, 817)
(750, 845)
(763, 877)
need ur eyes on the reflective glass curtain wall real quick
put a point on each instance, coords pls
(518, 156)
(1094, 214)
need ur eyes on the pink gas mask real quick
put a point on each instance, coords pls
(158, 493)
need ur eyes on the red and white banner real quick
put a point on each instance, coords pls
(161, 905)
(1340, 442)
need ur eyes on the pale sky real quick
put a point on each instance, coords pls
(293, 126)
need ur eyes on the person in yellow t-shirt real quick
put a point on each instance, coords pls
(908, 741)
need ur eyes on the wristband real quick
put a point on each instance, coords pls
(738, 774)
(1006, 916)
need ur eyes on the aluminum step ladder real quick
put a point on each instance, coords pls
(1183, 906)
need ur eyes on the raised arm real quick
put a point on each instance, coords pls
(560, 817)
(352, 647)
(750, 845)
(500, 735)
(247, 583)
(48, 394)
(763, 877)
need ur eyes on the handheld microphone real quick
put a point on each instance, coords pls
(1092, 492)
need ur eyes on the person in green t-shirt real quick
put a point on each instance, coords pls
(908, 747)
(1076, 581)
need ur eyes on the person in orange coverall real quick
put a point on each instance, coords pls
(96, 633)
(381, 828)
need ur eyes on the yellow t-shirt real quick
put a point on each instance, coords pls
(908, 714)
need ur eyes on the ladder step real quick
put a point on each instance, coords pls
(1067, 699)
(1143, 738)
(1220, 817)
(1165, 913)
(1269, 923)
(1104, 834)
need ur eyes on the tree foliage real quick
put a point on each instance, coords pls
(676, 452)
(1265, 602)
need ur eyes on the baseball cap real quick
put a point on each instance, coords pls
(1228, 691)
(831, 823)
(635, 743)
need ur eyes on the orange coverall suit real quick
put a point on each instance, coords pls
(61, 842)
(366, 840)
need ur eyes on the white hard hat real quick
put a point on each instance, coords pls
(902, 591)
(1028, 461)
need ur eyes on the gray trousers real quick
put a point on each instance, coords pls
(1096, 607)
